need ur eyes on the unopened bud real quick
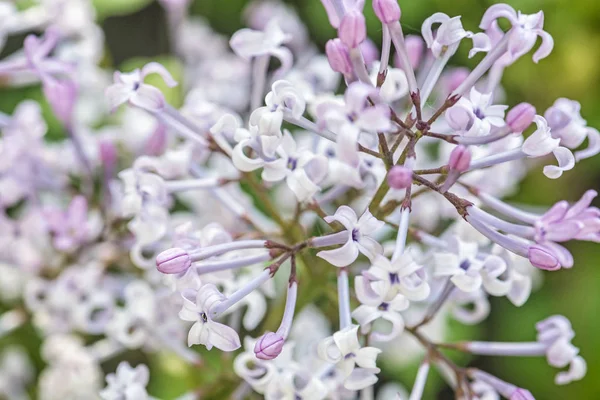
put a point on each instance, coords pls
(542, 258)
(269, 346)
(387, 11)
(173, 261)
(520, 117)
(399, 177)
(353, 29)
(338, 57)
(460, 159)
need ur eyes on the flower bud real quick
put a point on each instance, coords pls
(369, 51)
(338, 57)
(414, 48)
(62, 96)
(269, 346)
(353, 29)
(173, 261)
(387, 11)
(542, 258)
(460, 159)
(520, 117)
(521, 394)
(400, 177)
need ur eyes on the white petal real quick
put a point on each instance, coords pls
(223, 337)
(347, 340)
(566, 161)
(341, 257)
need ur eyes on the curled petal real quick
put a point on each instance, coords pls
(593, 145)
(328, 351)
(498, 11)
(156, 68)
(345, 216)
(566, 161)
(577, 370)
(341, 257)
(284, 55)
(545, 48)
(397, 327)
(427, 30)
(481, 42)
(242, 161)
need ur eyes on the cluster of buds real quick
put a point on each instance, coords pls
(268, 216)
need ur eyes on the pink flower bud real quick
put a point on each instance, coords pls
(542, 258)
(269, 346)
(369, 51)
(173, 261)
(387, 11)
(400, 177)
(414, 48)
(338, 57)
(62, 96)
(353, 29)
(520, 117)
(460, 159)
(454, 78)
(521, 394)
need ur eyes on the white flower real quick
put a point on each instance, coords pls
(367, 315)
(248, 43)
(475, 116)
(197, 308)
(127, 383)
(460, 263)
(449, 34)
(302, 169)
(130, 87)
(359, 237)
(344, 350)
(386, 279)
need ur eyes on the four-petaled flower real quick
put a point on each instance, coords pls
(449, 34)
(476, 115)
(196, 308)
(344, 350)
(130, 87)
(359, 237)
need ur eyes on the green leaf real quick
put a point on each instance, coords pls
(107, 8)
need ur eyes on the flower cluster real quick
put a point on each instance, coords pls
(309, 232)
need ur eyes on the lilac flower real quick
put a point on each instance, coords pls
(566, 123)
(197, 308)
(359, 233)
(70, 228)
(130, 87)
(127, 383)
(449, 34)
(344, 350)
(562, 222)
(248, 43)
(523, 34)
(475, 116)
(353, 117)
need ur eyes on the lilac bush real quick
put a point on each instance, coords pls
(315, 215)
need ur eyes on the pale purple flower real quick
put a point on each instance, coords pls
(269, 346)
(356, 363)
(566, 123)
(127, 383)
(336, 9)
(70, 227)
(348, 120)
(173, 261)
(129, 87)
(523, 34)
(476, 115)
(62, 96)
(360, 238)
(197, 308)
(460, 159)
(387, 11)
(302, 169)
(248, 43)
(449, 34)
(563, 222)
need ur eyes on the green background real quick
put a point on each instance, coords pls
(136, 28)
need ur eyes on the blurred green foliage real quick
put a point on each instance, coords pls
(136, 32)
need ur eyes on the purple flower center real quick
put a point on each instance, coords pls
(384, 306)
(292, 163)
(394, 278)
(355, 235)
(478, 113)
(204, 317)
(465, 264)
